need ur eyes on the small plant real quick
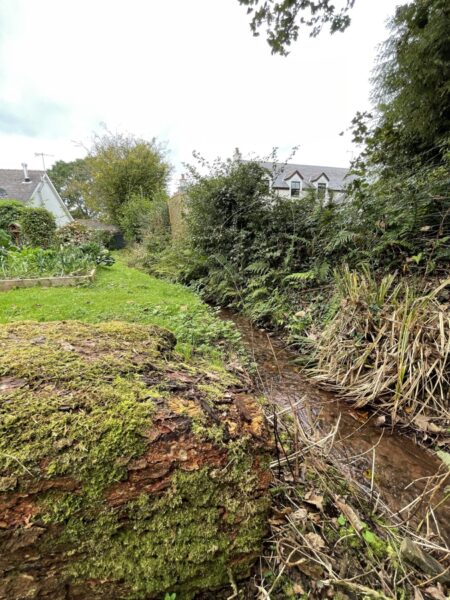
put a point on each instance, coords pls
(38, 262)
(97, 253)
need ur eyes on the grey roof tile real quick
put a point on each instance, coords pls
(338, 177)
(13, 187)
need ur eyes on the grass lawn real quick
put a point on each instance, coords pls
(123, 294)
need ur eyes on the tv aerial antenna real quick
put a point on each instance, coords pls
(43, 155)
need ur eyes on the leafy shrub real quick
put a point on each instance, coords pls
(103, 237)
(10, 212)
(38, 227)
(144, 218)
(97, 253)
(5, 240)
(73, 234)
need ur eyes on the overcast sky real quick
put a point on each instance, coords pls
(188, 72)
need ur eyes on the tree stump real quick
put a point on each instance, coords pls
(124, 472)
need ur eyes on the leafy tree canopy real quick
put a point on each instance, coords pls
(411, 124)
(283, 19)
(121, 166)
(72, 180)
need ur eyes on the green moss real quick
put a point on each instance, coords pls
(81, 398)
(185, 541)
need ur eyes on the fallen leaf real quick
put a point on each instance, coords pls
(277, 521)
(436, 592)
(315, 500)
(417, 594)
(315, 541)
(445, 457)
(360, 416)
(297, 589)
(299, 515)
(425, 424)
(350, 514)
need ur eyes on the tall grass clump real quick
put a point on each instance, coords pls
(389, 346)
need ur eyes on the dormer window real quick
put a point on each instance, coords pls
(296, 187)
(321, 190)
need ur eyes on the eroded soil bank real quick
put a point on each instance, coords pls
(397, 469)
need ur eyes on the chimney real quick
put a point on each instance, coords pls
(26, 179)
(182, 184)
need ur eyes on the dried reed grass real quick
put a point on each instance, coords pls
(389, 347)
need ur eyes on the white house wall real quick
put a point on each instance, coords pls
(45, 197)
(336, 196)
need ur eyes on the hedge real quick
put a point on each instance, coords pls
(38, 227)
(10, 212)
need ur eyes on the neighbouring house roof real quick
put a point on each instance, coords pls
(13, 186)
(97, 225)
(338, 177)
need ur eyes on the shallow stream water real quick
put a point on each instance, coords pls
(385, 460)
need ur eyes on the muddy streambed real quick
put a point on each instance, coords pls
(383, 460)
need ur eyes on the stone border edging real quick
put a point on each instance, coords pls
(65, 281)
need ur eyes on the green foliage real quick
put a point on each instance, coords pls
(123, 166)
(5, 240)
(146, 219)
(121, 293)
(97, 253)
(283, 20)
(76, 234)
(38, 227)
(39, 262)
(73, 234)
(204, 523)
(10, 212)
(411, 89)
(72, 181)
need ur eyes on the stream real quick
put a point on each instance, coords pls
(398, 469)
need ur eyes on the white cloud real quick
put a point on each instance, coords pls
(186, 71)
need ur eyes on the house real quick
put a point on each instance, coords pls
(286, 179)
(34, 189)
(293, 180)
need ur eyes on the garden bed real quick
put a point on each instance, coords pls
(64, 281)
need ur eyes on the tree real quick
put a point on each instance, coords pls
(142, 218)
(284, 18)
(122, 166)
(411, 89)
(72, 180)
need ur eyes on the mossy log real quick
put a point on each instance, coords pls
(124, 472)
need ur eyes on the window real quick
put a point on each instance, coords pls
(3, 193)
(295, 189)
(321, 190)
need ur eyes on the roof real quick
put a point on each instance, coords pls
(97, 225)
(338, 177)
(13, 186)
